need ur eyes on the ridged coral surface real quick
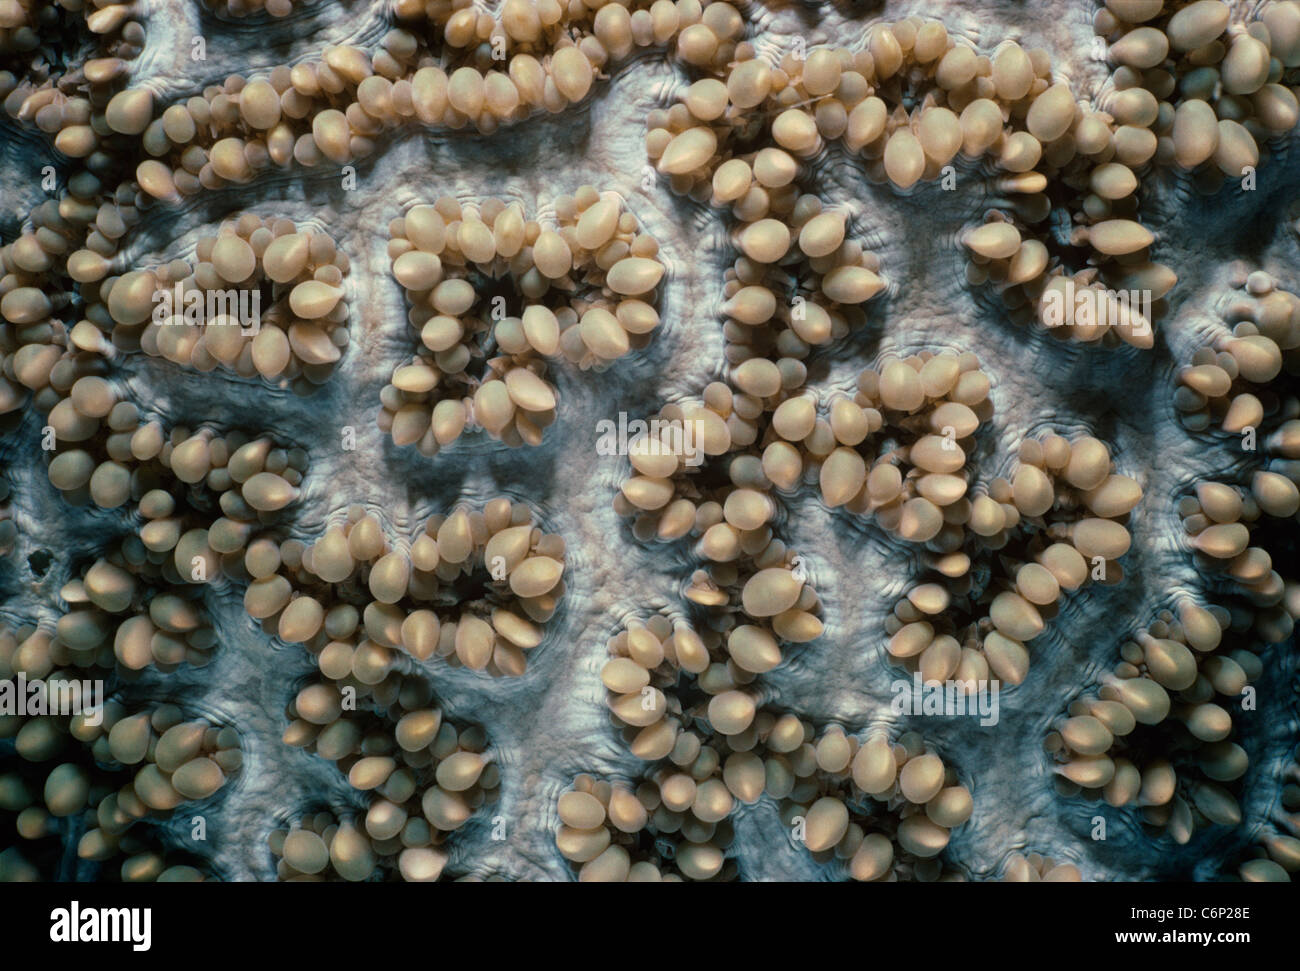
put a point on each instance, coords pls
(547, 441)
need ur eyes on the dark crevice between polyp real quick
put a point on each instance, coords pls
(477, 588)
(483, 344)
(40, 562)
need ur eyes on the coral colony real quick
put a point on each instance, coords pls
(653, 440)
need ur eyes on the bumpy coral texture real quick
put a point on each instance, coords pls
(373, 598)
